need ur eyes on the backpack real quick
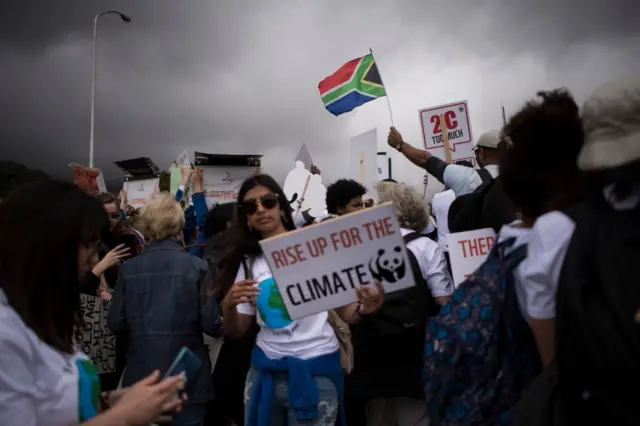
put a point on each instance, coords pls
(486, 207)
(405, 312)
(598, 315)
(480, 353)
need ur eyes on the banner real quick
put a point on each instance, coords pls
(221, 184)
(319, 267)
(364, 161)
(140, 191)
(89, 180)
(95, 339)
(468, 250)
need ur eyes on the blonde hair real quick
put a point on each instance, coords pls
(409, 206)
(162, 218)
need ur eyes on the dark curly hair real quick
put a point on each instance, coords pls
(341, 192)
(539, 170)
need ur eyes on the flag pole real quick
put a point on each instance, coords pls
(504, 117)
(386, 94)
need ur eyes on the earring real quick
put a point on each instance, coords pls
(282, 214)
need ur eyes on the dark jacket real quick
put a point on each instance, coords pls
(161, 304)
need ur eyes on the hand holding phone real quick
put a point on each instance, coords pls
(186, 364)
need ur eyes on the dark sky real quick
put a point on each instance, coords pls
(241, 76)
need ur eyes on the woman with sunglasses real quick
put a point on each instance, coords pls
(295, 375)
(44, 379)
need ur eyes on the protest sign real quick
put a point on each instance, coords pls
(364, 161)
(221, 184)
(319, 267)
(224, 174)
(468, 250)
(140, 191)
(94, 338)
(89, 180)
(141, 179)
(446, 132)
(305, 157)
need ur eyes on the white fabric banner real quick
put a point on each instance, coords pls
(221, 184)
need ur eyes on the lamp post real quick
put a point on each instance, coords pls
(125, 19)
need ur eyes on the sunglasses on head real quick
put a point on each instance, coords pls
(250, 205)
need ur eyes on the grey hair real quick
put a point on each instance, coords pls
(409, 206)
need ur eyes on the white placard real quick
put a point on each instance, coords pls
(456, 118)
(140, 191)
(319, 267)
(221, 184)
(364, 161)
(182, 160)
(468, 250)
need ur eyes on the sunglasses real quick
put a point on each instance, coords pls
(114, 215)
(250, 205)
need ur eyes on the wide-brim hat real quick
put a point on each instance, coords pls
(611, 121)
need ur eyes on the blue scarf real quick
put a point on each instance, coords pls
(303, 390)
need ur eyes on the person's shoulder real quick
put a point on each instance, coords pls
(15, 336)
(550, 231)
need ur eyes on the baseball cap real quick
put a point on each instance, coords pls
(490, 139)
(611, 121)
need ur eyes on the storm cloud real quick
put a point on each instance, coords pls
(241, 77)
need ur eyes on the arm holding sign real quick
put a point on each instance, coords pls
(369, 301)
(456, 176)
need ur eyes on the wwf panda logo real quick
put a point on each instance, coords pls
(388, 265)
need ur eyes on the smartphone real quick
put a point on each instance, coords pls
(186, 364)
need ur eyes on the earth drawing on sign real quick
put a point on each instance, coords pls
(270, 305)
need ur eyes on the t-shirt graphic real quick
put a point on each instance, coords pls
(270, 305)
(88, 390)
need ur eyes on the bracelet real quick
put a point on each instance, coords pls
(399, 146)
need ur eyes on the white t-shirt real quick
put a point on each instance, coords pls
(464, 180)
(432, 263)
(440, 208)
(279, 336)
(40, 386)
(536, 278)
(548, 245)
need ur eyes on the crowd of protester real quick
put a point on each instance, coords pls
(545, 332)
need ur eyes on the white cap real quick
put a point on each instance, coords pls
(611, 121)
(490, 139)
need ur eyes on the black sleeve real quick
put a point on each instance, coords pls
(89, 284)
(435, 167)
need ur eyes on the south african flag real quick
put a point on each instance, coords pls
(355, 83)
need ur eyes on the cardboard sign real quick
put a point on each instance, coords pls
(140, 191)
(94, 338)
(319, 267)
(454, 144)
(468, 250)
(221, 184)
(89, 180)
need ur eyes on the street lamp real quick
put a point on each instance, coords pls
(125, 19)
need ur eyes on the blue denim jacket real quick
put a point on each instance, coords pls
(160, 304)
